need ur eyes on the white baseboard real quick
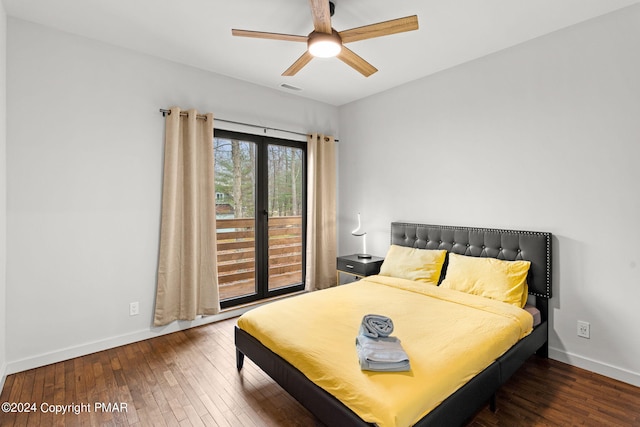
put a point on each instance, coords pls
(601, 368)
(3, 375)
(105, 344)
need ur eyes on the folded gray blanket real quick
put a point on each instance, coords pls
(375, 326)
(384, 354)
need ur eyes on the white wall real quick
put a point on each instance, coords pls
(84, 161)
(3, 193)
(543, 136)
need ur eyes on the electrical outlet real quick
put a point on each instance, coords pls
(134, 309)
(584, 329)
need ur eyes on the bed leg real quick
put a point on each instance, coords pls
(492, 403)
(239, 359)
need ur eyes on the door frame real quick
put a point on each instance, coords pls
(261, 216)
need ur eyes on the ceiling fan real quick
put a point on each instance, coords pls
(326, 42)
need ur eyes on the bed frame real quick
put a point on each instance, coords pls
(470, 398)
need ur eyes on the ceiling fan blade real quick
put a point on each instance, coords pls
(321, 16)
(297, 66)
(271, 36)
(356, 62)
(400, 25)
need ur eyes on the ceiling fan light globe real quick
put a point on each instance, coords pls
(325, 49)
(324, 45)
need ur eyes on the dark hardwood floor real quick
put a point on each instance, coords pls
(189, 379)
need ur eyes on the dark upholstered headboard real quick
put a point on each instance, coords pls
(508, 245)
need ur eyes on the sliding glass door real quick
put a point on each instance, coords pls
(260, 216)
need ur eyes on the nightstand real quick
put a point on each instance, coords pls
(358, 267)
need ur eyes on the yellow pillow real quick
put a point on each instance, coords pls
(488, 277)
(421, 265)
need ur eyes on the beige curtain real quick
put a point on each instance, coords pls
(187, 270)
(321, 212)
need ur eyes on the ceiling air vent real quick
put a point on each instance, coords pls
(286, 86)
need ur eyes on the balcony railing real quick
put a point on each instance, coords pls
(236, 254)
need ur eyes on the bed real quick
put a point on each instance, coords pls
(334, 407)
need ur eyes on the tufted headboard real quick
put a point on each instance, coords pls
(508, 245)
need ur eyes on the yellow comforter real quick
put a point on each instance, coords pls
(449, 337)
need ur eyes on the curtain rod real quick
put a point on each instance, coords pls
(266, 128)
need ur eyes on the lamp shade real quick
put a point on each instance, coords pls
(359, 231)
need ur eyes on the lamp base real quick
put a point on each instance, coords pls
(364, 256)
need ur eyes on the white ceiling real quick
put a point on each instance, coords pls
(198, 33)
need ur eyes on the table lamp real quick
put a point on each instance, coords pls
(358, 232)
